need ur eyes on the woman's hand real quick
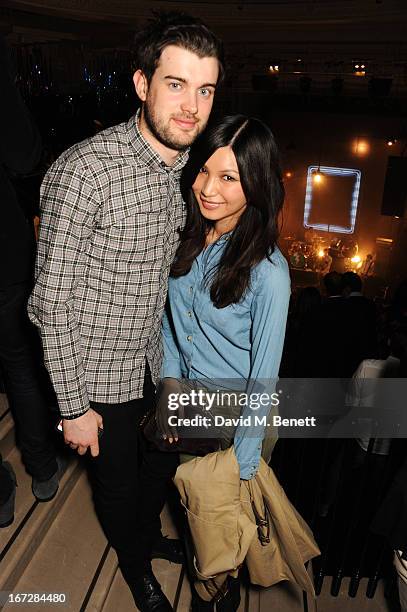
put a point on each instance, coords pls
(166, 408)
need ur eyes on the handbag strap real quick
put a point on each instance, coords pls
(263, 519)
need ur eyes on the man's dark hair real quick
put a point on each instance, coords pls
(180, 29)
(256, 232)
(352, 281)
(333, 283)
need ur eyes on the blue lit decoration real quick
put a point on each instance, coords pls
(329, 171)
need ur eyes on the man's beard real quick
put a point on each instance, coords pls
(163, 133)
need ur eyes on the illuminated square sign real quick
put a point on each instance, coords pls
(331, 199)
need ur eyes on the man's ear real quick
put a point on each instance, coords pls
(140, 84)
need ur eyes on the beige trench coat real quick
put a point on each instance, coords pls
(233, 521)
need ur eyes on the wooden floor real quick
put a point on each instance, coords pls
(59, 547)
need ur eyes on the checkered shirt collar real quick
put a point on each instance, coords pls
(145, 151)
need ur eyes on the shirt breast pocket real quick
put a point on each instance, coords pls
(228, 321)
(136, 240)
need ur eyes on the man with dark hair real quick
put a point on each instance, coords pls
(111, 213)
(164, 30)
(351, 284)
(333, 284)
(332, 326)
(360, 313)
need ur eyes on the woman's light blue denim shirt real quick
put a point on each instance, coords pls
(240, 341)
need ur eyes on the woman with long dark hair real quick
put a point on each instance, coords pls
(229, 286)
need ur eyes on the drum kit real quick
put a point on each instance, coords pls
(300, 255)
(310, 254)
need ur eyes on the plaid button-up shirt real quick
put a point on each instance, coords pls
(110, 214)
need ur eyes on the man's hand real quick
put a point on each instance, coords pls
(82, 433)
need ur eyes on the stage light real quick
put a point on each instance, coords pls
(274, 68)
(288, 174)
(356, 259)
(391, 142)
(359, 69)
(317, 177)
(360, 147)
(321, 253)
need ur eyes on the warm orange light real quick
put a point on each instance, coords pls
(361, 147)
(390, 143)
(359, 69)
(317, 177)
(321, 253)
(288, 174)
(356, 259)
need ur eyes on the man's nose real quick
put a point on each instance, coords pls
(190, 103)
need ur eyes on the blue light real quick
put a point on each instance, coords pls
(329, 171)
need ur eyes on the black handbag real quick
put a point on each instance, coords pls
(190, 446)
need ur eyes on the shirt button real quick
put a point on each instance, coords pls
(189, 338)
(163, 164)
(191, 289)
(189, 313)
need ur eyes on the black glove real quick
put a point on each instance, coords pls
(162, 413)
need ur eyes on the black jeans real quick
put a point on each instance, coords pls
(6, 484)
(130, 483)
(20, 360)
